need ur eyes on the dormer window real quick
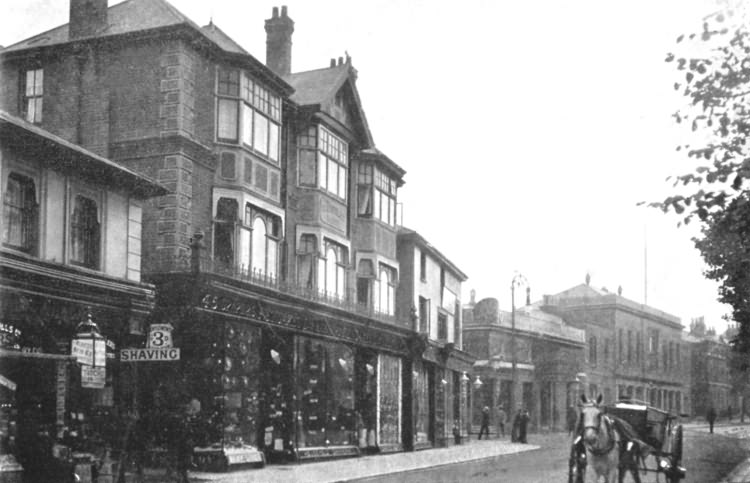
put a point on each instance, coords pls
(248, 113)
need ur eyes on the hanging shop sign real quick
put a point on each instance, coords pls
(160, 336)
(93, 377)
(135, 355)
(91, 352)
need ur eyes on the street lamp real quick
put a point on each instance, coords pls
(517, 281)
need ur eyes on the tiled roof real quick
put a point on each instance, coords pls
(222, 40)
(316, 86)
(407, 233)
(126, 17)
(379, 155)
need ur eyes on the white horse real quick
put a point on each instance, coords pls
(602, 440)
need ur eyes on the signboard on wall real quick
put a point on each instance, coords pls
(134, 355)
(160, 336)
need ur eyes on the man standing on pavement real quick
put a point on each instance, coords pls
(485, 428)
(501, 417)
(711, 417)
(523, 423)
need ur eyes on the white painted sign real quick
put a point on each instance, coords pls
(87, 353)
(134, 355)
(160, 336)
(93, 377)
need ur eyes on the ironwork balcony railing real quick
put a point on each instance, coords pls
(261, 278)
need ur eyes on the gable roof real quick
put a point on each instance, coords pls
(316, 88)
(222, 39)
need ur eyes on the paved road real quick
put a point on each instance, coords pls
(707, 458)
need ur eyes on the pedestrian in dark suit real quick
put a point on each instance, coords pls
(523, 425)
(485, 428)
(711, 417)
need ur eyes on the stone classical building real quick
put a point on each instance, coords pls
(632, 350)
(549, 353)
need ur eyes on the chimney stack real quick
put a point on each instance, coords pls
(87, 18)
(279, 29)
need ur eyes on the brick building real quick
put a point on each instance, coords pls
(275, 254)
(549, 354)
(70, 257)
(632, 350)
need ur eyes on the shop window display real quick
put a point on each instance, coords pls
(240, 384)
(389, 391)
(325, 394)
(276, 396)
(366, 390)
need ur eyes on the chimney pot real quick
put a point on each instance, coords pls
(333, 62)
(279, 31)
(341, 61)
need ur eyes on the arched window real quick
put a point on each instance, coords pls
(20, 225)
(385, 302)
(85, 233)
(592, 350)
(331, 263)
(332, 271)
(259, 246)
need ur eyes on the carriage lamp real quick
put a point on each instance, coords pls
(89, 338)
(465, 378)
(477, 383)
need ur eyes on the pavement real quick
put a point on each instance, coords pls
(348, 469)
(741, 472)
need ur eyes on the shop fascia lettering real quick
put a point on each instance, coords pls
(129, 355)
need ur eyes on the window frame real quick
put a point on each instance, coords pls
(92, 260)
(36, 96)
(380, 189)
(28, 213)
(254, 103)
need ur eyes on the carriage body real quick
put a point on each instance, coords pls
(655, 427)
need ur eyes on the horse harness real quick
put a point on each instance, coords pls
(611, 437)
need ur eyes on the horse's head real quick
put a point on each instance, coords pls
(591, 419)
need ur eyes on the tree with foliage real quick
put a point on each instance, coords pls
(716, 83)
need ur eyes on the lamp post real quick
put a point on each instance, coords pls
(517, 281)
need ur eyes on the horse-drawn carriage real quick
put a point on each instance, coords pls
(619, 436)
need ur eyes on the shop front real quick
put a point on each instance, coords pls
(62, 392)
(277, 382)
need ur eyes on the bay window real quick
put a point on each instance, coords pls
(323, 160)
(248, 113)
(20, 219)
(376, 194)
(252, 241)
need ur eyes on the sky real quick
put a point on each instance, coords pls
(529, 130)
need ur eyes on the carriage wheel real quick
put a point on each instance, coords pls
(676, 453)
